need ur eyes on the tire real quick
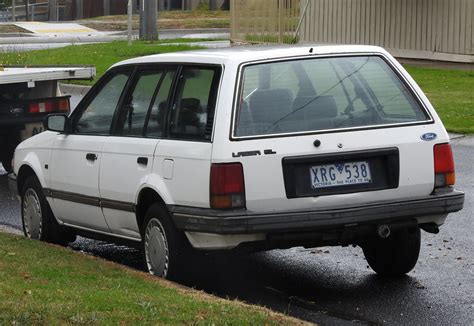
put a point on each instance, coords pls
(166, 250)
(396, 255)
(37, 218)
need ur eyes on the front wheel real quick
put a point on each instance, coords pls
(166, 250)
(396, 255)
(38, 220)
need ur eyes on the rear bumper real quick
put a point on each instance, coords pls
(245, 222)
(12, 184)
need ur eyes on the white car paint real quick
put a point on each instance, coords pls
(179, 171)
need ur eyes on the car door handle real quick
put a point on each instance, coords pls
(91, 157)
(142, 160)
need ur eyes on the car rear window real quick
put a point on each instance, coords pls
(318, 94)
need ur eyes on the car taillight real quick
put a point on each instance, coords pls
(50, 106)
(444, 165)
(227, 188)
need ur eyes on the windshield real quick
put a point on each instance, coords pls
(321, 94)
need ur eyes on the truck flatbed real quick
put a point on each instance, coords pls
(26, 74)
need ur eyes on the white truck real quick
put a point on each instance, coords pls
(27, 95)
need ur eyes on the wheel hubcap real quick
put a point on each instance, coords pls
(32, 215)
(156, 248)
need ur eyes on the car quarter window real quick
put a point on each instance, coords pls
(193, 109)
(96, 118)
(134, 112)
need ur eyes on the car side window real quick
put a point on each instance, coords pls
(96, 118)
(193, 110)
(135, 109)
(156, 120)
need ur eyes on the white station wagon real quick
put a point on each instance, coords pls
(249, 148)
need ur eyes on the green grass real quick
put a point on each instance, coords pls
(102, 55)
(41, 284)
(452, 94)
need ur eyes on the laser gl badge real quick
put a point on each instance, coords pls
(429, 136)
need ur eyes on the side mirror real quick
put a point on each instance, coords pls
(56, 122)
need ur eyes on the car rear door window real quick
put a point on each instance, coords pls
(156, 120)
(96, 118)
(193, 109)
(134, 113)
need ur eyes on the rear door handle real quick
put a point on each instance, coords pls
(91, 157)
(142, 160)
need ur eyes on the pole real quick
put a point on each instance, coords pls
(141, 8)
(148, 20)
(13, 11)
(106, 7)
(280, 21)
(212, 4)
(129, 22)
(79, 9)
(27, 11)
(53, 10)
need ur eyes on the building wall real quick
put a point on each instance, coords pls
(427, 29)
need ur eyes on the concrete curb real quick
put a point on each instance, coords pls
(8, 229)
(61, 39)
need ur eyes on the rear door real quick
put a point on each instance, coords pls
(183, 157)
(76, 156)
(127, 155)
(331, 131)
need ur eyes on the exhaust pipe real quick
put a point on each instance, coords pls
(383, 231)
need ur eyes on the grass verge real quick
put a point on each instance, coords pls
(166, 20)
(452, 94)
(102, 55)
(41, 284)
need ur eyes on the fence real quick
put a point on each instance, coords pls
(37, 10)
(264, 21)
(424, 29)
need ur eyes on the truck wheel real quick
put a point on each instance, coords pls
(38, 220)
(166, 250)
(396, 255)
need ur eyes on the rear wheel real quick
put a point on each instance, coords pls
(166, 250)
(38, 220)
(396, 255)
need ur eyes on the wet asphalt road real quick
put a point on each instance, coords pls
(331, 285)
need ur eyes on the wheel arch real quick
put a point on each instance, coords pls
(146, 197)
(24, 172)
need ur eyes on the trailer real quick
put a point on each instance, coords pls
(27, 95)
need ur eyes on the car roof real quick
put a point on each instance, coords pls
(241, 54)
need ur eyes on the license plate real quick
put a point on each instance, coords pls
(32, 129)
(340, 174)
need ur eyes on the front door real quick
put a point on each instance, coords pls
(76, 156)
